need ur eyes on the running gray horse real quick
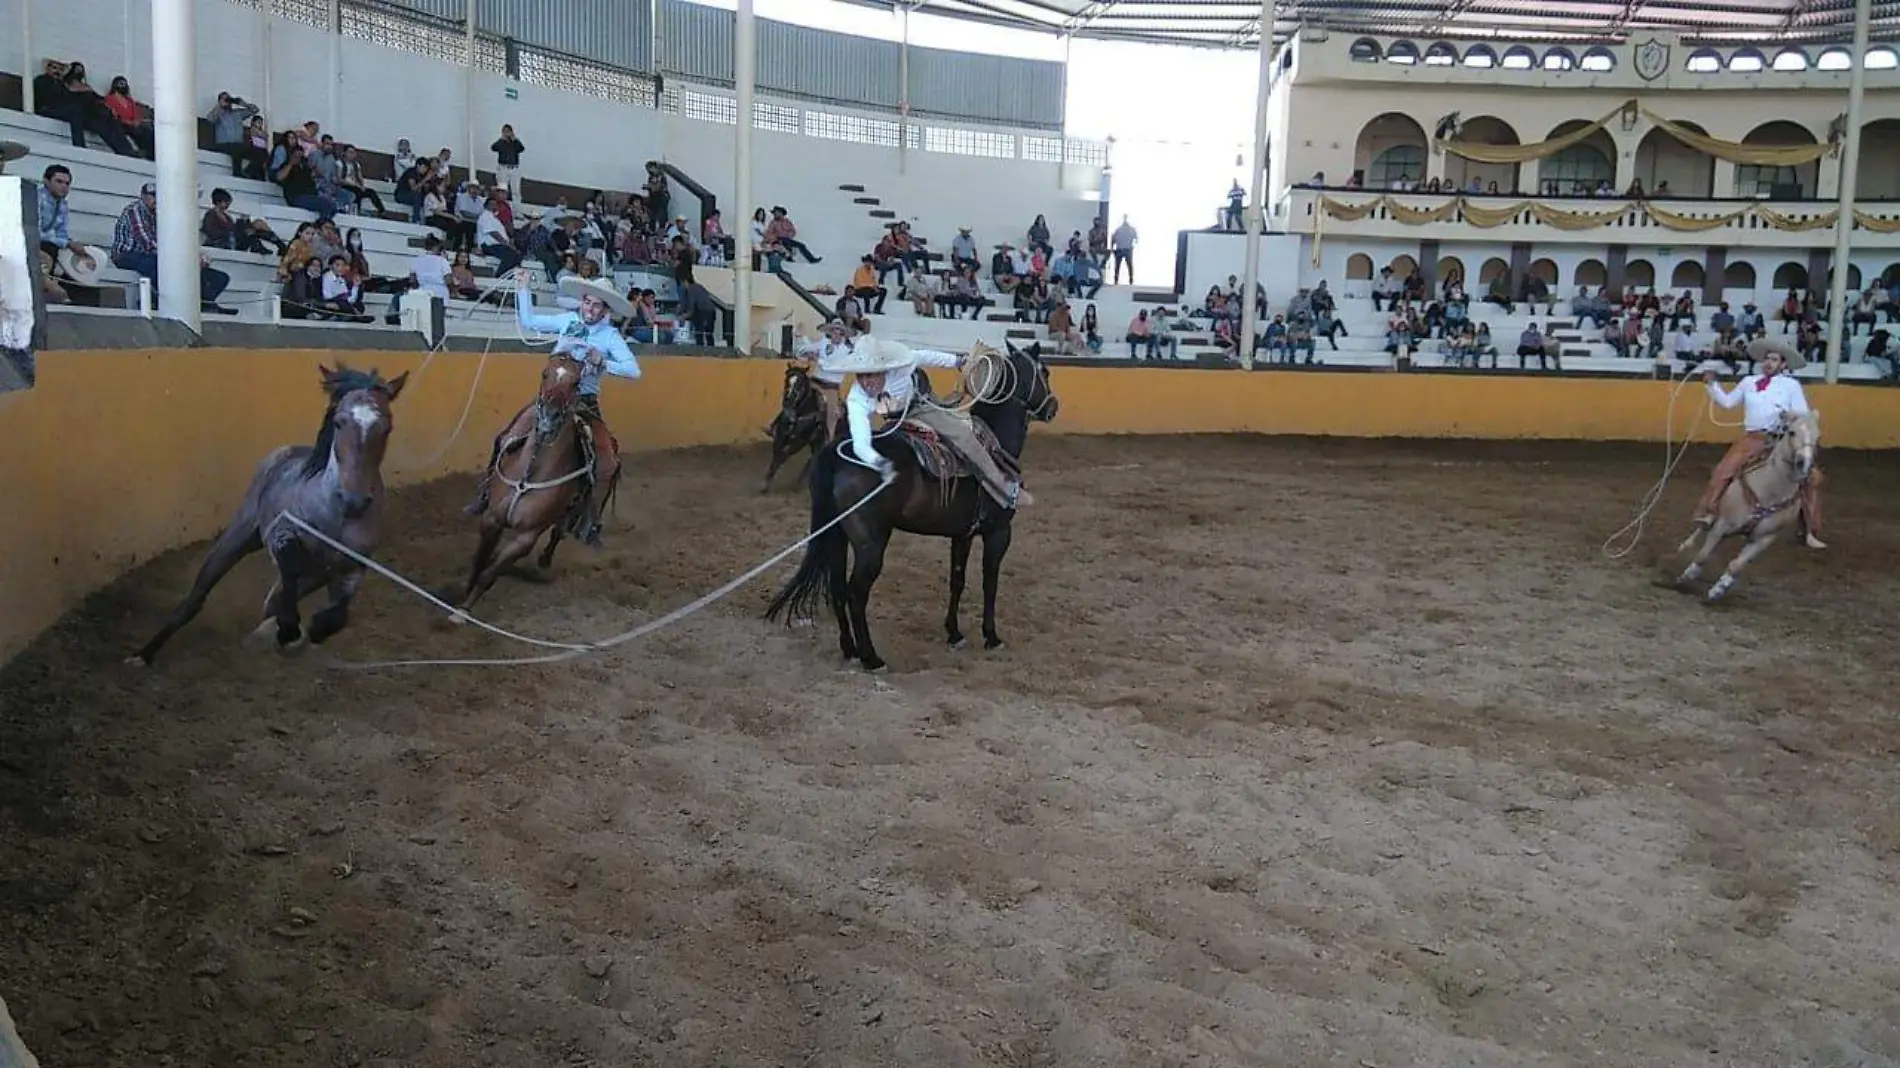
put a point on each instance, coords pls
(335, 486)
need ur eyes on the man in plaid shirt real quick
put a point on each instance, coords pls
(135, 248)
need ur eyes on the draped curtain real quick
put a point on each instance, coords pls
(1732, 151)
(1488, 215)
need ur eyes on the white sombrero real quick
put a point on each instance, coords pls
(81, 269)
(868, 356)
(577, 287)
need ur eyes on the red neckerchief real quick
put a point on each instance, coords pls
(1761, 383)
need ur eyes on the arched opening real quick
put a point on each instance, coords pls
(1703, 61)
(1403, 266)
(1853, 278)
(1790, 60)
(1518, 57)
(1667, 167)
(1882, 58)
(1791, 276)
(1639, 274)
(1441, 54)
(1878, 176)
(1592, 273)
(1579, 169)
(1390, 147)
(1472, 176)
(1365, 50)
(1747, 61)
(1358, 267)
(1559, 59)
(1739, 275)
(1480, 56)
(1545, 269)
(1404, 52)
(1598, 60)
(1777, 183)
(1834, 59)
(1891, 276)
(1448, 269)
(1687, 275)
(1493, 268)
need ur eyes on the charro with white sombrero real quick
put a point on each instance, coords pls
(588, 337)
(883, 371)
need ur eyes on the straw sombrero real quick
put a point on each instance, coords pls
(577, 287)
(81, 269)
(867, 356)
(12, 150)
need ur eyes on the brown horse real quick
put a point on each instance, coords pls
(335, 486)
(545, 475)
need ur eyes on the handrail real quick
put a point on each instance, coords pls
(806, 295)
(708, 203)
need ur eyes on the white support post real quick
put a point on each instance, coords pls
(334, 122)
(264, 35)
(29, 63)
(1844, 221)
(174, 106)
(1256, 187)
(744, 73)
(903, 91)
(468, 86)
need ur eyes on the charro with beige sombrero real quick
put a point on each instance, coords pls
(589, 337)
(883, 386)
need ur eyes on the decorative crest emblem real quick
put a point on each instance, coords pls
(1651, 59)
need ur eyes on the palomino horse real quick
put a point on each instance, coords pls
(1763, 501)
(335, 486)
(545, 475)
(800, 423)
(1017, 392)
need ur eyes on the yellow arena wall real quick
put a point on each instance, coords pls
(118, 456)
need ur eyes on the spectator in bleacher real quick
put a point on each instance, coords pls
(230, 120)
(1749, 323)
(65, 95)
(1530, 343)
(1098, 241)
(1037, 236)
(405, 156)
(236, 233)
(291, 261)
(135, 248)
(444, 166)
(437, 211)
(1141, 338)
(1722, 320)
(1482, 346)
(921, 291)
(462, 281)
(1590, 307)
(328, 242)
(56, 185)
(643, 324)
(1327, 326)
(131, 117)
(494, 240)
(1685, 345)
(508, 149)
(864, 280)
(713, 233)
(1499, 293)
(1685, 309)
(659, 194)
(963, 250)
(782, 231)
(429, 269)
(1122, 245)
(1091, 329)
(1272, 341)
(1165, 324)
(412, 187)
(302, 296)
(342, 293)
(299, 182)
(350, 178)
(1062, 327)
(326, 163)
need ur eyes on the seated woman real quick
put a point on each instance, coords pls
(130, 116)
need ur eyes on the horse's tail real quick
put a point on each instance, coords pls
(822, 571)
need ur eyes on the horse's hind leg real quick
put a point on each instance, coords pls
(959, 569)
(865, 568)
(1710, 540)
(779, 456)
(237, 542)
(332, 618)
(484, 552)
(1755, 547)
(547, 555)
(995, 547)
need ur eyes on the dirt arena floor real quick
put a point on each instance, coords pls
(1301, 753)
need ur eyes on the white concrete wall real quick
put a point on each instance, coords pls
(1212, 257)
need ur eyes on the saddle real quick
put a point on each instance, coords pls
(941, 460)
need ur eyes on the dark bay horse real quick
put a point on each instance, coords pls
(545, 476)
(800, 423)
(917, 503)
(336, 486)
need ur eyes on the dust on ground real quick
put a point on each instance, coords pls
(1301, 753)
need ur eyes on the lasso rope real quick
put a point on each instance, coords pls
(1631, 533)
(569, 650)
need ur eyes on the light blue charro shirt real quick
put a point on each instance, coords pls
(573, 334)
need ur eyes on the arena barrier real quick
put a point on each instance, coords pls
(118, 456)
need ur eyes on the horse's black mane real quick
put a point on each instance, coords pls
(343, 382)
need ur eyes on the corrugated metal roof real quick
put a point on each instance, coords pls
(1232, 24)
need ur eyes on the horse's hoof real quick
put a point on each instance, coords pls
(137, 661)
(992, 644)
(263, 636)
(958, 643)
(458, 618)
(295, 647)
(878, 668)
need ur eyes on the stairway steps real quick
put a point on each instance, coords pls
(851, 188)
(882, 213)
(1155, 296)
(866, 200)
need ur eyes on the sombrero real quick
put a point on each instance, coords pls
(81, 269)
(577, 287)
(12, 150)
(868, 356)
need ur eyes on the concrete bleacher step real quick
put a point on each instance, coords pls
(851, 187)
(873, 201)
(882, 213)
